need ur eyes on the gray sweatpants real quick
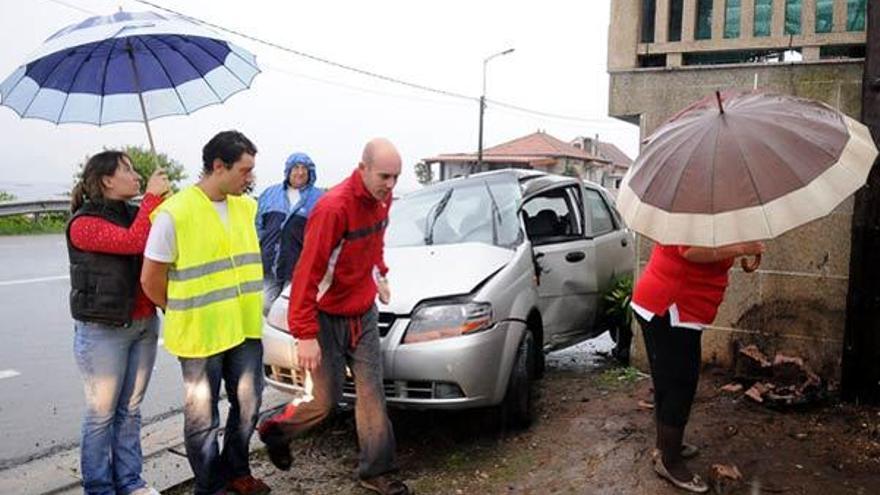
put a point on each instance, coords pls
(364, 359)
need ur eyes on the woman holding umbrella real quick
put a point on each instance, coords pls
(678, 293)
(116, 325)
(719, 177)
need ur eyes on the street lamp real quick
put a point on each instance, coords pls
(483, 105)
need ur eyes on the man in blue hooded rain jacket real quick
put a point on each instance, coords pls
(281, 223)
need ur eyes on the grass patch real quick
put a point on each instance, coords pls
(47, 223)
(613, 378)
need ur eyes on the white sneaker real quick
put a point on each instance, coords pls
(147, 490)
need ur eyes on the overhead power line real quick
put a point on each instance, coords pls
(316, 58)
(74, 7)
(546, 114)
(357, 70)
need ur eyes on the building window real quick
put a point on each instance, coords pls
(703, 29)
(824, 16)
(732, 19)
(793, 16)
(855, 14)
(676, 11)
(649, 8)
(763, 17)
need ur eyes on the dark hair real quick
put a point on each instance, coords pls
(228, 146)
(90, 185)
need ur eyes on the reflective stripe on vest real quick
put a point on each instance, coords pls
(215, 285)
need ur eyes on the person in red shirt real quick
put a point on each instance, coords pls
(333, 315)
(678, 293)
(116, 325)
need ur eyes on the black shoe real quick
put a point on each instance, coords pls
(279, 450)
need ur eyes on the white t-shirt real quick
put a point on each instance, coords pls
(162, 241)
(292, 196)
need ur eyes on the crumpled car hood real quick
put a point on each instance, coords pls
(426, 272)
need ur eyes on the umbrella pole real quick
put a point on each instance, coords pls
(137, 87)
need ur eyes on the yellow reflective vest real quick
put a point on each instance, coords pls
(215, 285)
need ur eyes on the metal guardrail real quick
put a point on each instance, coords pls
(13, 208)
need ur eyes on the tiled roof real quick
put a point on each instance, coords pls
(614, 154)
(526, 149)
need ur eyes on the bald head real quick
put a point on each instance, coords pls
(378, 149)
(380, 167)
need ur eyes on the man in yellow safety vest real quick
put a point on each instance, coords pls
(202, 265)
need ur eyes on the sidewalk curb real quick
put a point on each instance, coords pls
(165, 463)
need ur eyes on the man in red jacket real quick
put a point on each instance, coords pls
(333, 316)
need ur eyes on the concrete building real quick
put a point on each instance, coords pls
(664, 54)
(538, 150)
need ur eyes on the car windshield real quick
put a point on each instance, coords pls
(472, 210)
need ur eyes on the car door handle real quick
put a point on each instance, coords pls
(575, 256)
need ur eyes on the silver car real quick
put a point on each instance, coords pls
(487, 273)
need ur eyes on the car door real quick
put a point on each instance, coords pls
(567, 286)
(613, 243)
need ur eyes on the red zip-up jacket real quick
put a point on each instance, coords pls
(342, 251)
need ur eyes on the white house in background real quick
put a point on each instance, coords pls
(539, 151)
(617, 163)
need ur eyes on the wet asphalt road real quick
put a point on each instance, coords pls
(41, 397)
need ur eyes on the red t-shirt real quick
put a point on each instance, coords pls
(98, 235)
(696, 289)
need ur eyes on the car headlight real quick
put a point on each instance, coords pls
(442, 321)
(277, 317)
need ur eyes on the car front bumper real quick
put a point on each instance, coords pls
(455, 373)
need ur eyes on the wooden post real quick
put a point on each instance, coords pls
(861, 345)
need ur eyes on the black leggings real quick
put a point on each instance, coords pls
(674, 355)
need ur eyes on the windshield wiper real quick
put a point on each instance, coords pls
(496, 213)
(431, 220)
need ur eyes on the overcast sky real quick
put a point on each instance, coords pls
(298, 105)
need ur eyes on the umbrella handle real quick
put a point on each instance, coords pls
(750, 266)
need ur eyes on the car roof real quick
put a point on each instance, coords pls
(530, 181)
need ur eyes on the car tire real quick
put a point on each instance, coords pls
(540, 361)
(517, 407)
(622, 339)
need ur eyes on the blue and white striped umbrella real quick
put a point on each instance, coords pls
(127, 67)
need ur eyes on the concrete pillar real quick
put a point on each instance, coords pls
(810, 53)
(688, 20)
(661, 22)
(808, 17)
(674, 59)
(777, 29)
(747, 13)
(623, 34)
(839, 16)
(718, 11)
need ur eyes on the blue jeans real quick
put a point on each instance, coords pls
(116, 364)
(241, 370)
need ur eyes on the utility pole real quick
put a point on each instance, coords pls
(480, 139)
(478, 166)
(861, 345)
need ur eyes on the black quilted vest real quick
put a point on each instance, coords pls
(103, 286)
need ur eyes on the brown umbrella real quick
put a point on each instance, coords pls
(738, 167)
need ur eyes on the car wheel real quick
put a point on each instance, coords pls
(516, 408)
(540, 360)
(622, 338)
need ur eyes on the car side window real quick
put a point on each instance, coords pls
(553, 217)
(601, 221)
